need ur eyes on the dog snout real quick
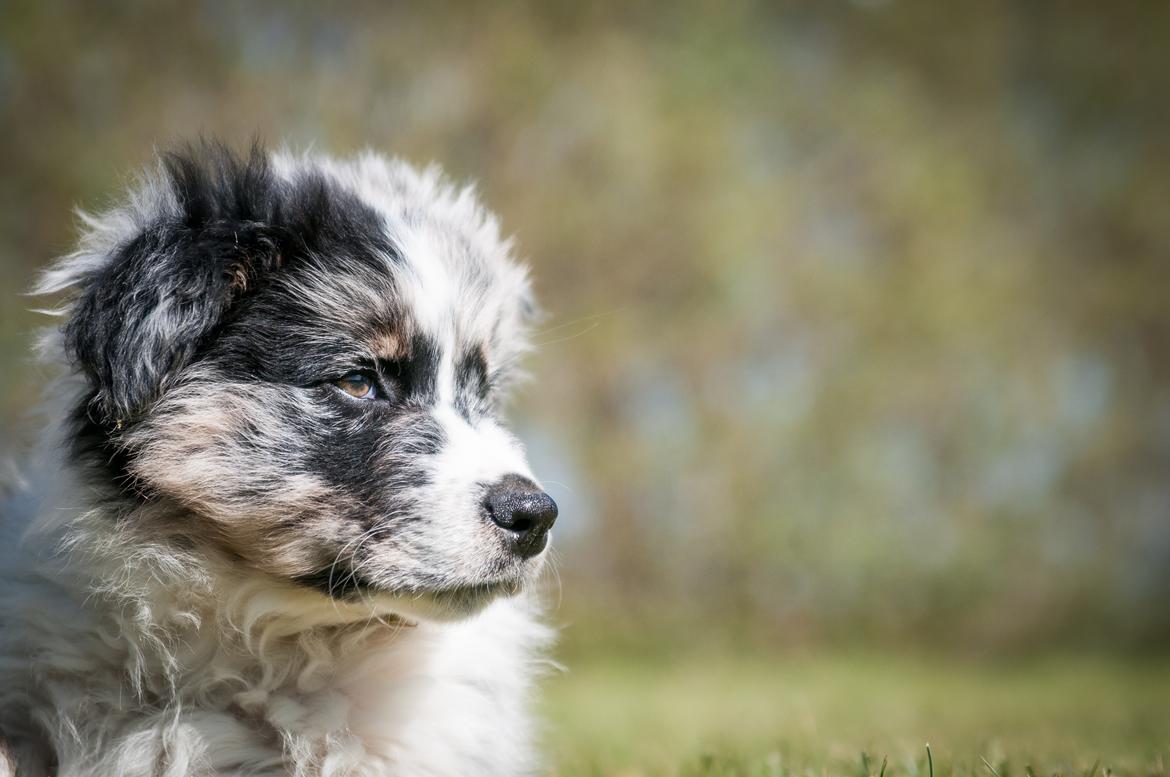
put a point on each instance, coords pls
(523, 511)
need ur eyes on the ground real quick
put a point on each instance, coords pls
(846, 714)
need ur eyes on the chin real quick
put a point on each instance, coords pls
(278, 524)
(455, 603)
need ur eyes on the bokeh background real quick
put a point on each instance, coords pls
(858, 332)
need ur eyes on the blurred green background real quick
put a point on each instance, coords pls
(859, 313)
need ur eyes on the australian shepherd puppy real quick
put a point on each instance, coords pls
(277, 526)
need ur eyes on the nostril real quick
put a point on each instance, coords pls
(533, 512)
(520, 523)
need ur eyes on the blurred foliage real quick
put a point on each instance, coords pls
(859, 322)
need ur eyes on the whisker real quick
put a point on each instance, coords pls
(561, 484)
(581, 320)
(584, 331)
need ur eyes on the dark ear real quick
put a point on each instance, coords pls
(143, 315)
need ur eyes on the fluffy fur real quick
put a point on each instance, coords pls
(227, 562)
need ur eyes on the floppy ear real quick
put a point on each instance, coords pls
(142, 317)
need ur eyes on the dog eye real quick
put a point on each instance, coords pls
(358, 385)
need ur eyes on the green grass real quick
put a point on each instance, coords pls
(845, 715)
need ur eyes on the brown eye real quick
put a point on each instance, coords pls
(358, 386)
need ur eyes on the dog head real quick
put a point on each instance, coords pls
(306, 358)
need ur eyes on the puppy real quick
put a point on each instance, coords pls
(277, 526)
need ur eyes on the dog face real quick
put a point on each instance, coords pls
(308, 357)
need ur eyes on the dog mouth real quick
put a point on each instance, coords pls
(478, 591)
(460, 601)
(434, 599)
(349, 584)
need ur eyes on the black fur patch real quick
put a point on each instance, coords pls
(353, 459)
(146, 313)
(93, 446)
(471, 378)
(417, 374)
(164, 296)
(339, 581)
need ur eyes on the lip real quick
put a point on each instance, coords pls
(471, 598)
(509, 587)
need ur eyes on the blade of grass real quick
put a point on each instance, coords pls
(991, 768)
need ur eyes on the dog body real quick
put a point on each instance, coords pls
(276, 526)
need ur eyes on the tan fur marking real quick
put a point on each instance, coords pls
(239, 278)
(388, 346)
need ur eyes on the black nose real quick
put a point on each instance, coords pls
(523, 511)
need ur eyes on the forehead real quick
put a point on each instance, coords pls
(414, 283)
(391, 258)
